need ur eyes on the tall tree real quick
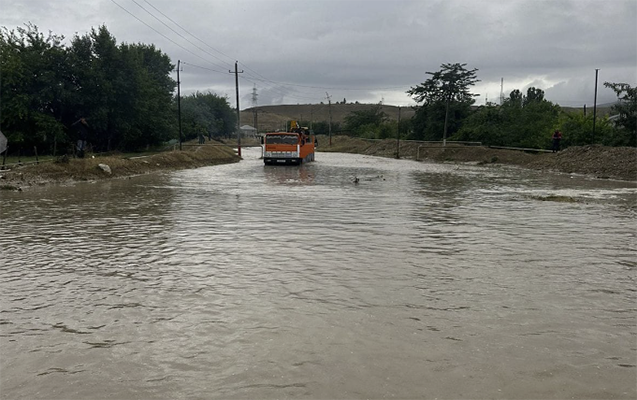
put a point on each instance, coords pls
(374, 116)
(626, 110)
(207, 113)
(32, 86)
(521, 121)
(125, 91)
(577, 129)
(445, 101)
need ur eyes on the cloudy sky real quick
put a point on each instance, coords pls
(301, 51)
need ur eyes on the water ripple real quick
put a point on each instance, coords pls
(250, 281)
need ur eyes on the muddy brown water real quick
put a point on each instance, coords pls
(251, 281)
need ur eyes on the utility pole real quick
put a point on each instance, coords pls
(179, 101)
(254, 106)
(595, 105)
(236, 82)
(398, 136)
(329, 107)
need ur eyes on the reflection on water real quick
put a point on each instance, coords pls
(253, 281)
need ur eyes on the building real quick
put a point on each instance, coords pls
(248, 131)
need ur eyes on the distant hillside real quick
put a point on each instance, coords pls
(602, 111)
(270, 118)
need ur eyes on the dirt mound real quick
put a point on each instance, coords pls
(599, 161)
(66, 170)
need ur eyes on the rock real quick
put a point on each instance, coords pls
(105, 168)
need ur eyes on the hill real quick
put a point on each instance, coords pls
(270, 118)
(602, 111)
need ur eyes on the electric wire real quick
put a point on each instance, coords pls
(284, 89)
(200, 67)
(180, 35)
(188, 32)
(322, 87)
(158, 32)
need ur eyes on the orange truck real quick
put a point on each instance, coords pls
(294, 147)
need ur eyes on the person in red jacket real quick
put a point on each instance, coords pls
(557, 137)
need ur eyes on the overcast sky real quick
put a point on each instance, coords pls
(299, 51)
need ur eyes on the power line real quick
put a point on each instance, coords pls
(274, 84)
(164, 36)
(281, 88)
(282, 91)
(185, 30)
(180, 35)
(200, 67)
(279, 91)
(323, 87)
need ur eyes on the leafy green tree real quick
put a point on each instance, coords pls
(626, 111)
(445, 101)
(521, 121)
(577, 129)
(373, 116)
(532, 124)
(322, 127)
(123, 91)
(144, 97)
(32, 86)
(485, 125)
(207, 113)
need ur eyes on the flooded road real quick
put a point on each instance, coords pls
(246, 281)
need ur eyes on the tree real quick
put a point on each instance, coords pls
(521, 121)
(123, 91)
(32, 85)
(322, 127)
(485, 125)
(207, 113)
(577, 129)
(446, 100)
(626, 109)
(373, 115)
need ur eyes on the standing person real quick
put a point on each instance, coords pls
(557, 137)
(81, 126)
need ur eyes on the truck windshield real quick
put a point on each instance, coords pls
(281, 139)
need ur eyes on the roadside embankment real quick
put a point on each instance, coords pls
(598, 161)
(66, 170)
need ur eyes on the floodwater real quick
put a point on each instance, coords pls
(250, 281)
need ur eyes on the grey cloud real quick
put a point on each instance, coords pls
(296, 51)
